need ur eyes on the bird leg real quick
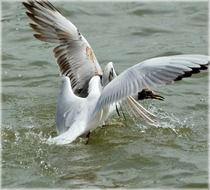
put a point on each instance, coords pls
(87, 136)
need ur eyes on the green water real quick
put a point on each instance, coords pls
(123, 154)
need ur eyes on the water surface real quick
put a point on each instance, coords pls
(124, 153)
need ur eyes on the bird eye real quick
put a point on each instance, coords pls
(78, 32)
(111, 74)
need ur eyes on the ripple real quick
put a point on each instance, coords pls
(168, 53)
(144, 11)
(39, 64)
(199, 19)
(29, 79)
(10, 57)
(195, 185)
(148, 31)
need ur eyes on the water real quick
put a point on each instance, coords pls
(123, 154)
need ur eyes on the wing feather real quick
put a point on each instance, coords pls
(150, 73)
(74, 55)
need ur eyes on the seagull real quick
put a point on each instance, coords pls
(89, 95)
(76, 58)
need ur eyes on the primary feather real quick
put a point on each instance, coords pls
(74, 55)
(150, 73)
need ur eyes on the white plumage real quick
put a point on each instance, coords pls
(88, 94)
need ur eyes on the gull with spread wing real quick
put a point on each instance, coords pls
(76, 58)
(88, 94)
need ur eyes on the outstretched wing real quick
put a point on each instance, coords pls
(150, 73)
(74, 55)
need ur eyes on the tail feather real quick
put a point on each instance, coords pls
(141, 107)
(136, 110)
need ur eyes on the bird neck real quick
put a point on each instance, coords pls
(94, 87)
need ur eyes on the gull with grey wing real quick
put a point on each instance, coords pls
(88, 94)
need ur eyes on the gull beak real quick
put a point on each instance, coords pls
(157, 97)
(149, 94)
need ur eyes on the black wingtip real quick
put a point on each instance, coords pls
(31, 4)
(193, 71)
(204, 67)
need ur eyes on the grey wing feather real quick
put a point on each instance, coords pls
(150, 73)
(74, 55)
